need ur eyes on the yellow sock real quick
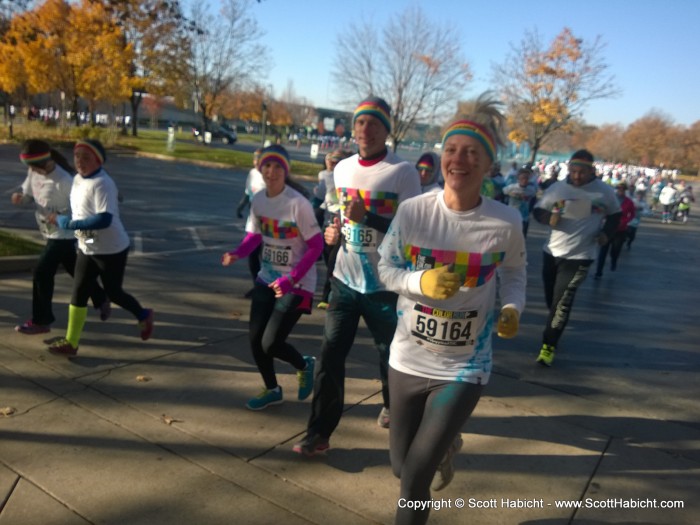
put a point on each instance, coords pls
(76, 322)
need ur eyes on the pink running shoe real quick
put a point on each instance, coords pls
(146, 326)
(29, 328)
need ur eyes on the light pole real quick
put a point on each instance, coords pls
(264, 123)
(264, 114)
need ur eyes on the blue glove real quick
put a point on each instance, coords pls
(63, 222)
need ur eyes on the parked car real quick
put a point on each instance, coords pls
(223, 133)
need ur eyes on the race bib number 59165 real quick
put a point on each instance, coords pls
(360, 238)
(443, 331)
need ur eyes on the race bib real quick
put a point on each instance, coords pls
(279, 257)
(86, 236)
(443, 331)
(577, 209)
(359, 238)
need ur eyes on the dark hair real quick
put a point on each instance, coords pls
(62, 161)
(583, 154)
(36, 146)
(297, 186)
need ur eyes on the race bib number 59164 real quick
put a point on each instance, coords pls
(443, 331)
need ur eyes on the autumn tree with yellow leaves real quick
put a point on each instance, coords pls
(546, 88)
(98, 57)
(153, 36)
(67, 47)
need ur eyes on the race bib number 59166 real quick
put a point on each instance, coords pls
(278, 256)
(443, 331)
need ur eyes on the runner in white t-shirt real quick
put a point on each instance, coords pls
(282, 222)
(583, 213)
(441, 255)
(370, 185)
(103, 245)
(48, 185)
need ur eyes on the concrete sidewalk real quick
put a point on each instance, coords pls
(156, 432)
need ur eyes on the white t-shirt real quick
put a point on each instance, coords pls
(285, 223)
(451, 339)
(668, 195)
(381, 186)
(583, 210)
(90, 196)
(51, 194)
(254, 183)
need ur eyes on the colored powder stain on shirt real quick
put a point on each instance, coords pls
(476, 268)
(276, 229)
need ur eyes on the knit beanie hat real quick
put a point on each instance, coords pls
(95, 147)
(425, 163)
(377, 107)
(275, 153)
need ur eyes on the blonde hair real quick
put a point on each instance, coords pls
(485, 111)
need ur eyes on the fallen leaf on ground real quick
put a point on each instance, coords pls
(236, 315)
(7, 411)
(169, 420)
(142, 379)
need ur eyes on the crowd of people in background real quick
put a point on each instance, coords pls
(412, 249)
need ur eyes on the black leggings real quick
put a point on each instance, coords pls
(561, 277)
(615, 247)
(57, 252)
(110, 268)
(271, 321)
(426, 416)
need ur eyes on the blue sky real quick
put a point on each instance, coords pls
(652, 47)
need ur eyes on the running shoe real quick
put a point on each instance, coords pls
(63, 347)
(29, 328)
(323, 305)
(306, 378)
(446, 469)
(265, 399)
(105, 310)
(383, 419)
(146, 325)
(311, 445)
(546, 356)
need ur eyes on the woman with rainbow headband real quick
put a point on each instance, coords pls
(428, 167)
(283, 221)
(441, 255)
(103, 245)
(48, 185)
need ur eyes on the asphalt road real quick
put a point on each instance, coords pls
(633, 334)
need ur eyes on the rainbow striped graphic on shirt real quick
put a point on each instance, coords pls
(277, 229)
(477, 268)
(379, 202)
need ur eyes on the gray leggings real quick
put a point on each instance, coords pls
(426, 416)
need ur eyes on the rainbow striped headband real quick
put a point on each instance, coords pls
(424, 165)
(31, 159)
(98, 155)
(274, 156)
(375, 109)
(472, 129)
(581, 163)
